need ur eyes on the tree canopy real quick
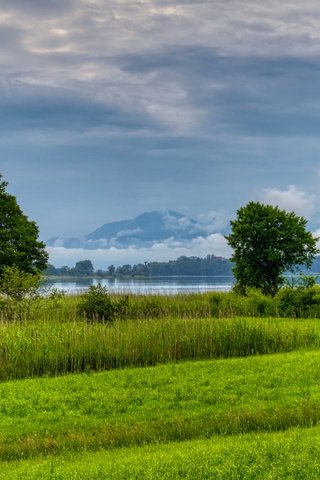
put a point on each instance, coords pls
(84, 267)
(267, 242)
(19, 244)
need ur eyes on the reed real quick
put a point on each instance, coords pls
(288, 303)
(56, 347)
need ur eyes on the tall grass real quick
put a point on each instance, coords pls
(55, 347)
(288, 303)
(193, 305)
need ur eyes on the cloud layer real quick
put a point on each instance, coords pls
(162, 251)
(110, 108)
(106, 66)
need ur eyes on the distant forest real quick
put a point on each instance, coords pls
(183, 266)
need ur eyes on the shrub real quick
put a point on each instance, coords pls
(299, 302)
(97, 305)
(262, 305)
(18, 284)
(20, 293)
(252, 304)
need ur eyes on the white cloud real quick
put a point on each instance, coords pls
(293, 200)
(205, 223)
(174, 223)
(215, 220)
(214, 244)
(128, 233)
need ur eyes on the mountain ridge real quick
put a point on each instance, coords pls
(144, 230)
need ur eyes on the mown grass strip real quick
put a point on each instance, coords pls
(56, 348)
(160, 404)
(290, 455)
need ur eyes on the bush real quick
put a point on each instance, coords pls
(20, 293)
(262, 305)
(17, 284)
(97, 305)
(299, 302)
(252, 304)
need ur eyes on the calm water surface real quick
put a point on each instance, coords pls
(160, 285)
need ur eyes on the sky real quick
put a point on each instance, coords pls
(110, 108)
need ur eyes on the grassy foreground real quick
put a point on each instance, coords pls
(160, 404)
(57, 347)
(207, 404)
(290, 455)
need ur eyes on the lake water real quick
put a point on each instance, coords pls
(157, 285)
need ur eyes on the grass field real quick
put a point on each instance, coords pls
(158, 404)
(290, 455)
(159, 398)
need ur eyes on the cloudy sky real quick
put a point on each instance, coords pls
(109, 108)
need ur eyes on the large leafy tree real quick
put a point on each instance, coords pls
(19, 244)
(83, 267)
(267, 242)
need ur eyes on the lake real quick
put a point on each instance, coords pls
(155, 285)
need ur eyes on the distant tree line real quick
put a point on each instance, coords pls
(83, 268)
(210, 265)
(183, 266)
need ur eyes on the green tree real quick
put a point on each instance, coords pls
(111, 270)
(19, 244)
(83, 267)
(20, 292)
(64, 271)
(267, 242)
(51, 270)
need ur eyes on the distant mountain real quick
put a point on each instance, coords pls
(142, 231)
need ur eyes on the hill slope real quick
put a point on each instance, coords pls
(142, 231)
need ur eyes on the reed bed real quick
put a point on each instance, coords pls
(55, 347)
(143, 306)
(288, 303)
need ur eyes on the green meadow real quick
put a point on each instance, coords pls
(168, 394)
(290, 455)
